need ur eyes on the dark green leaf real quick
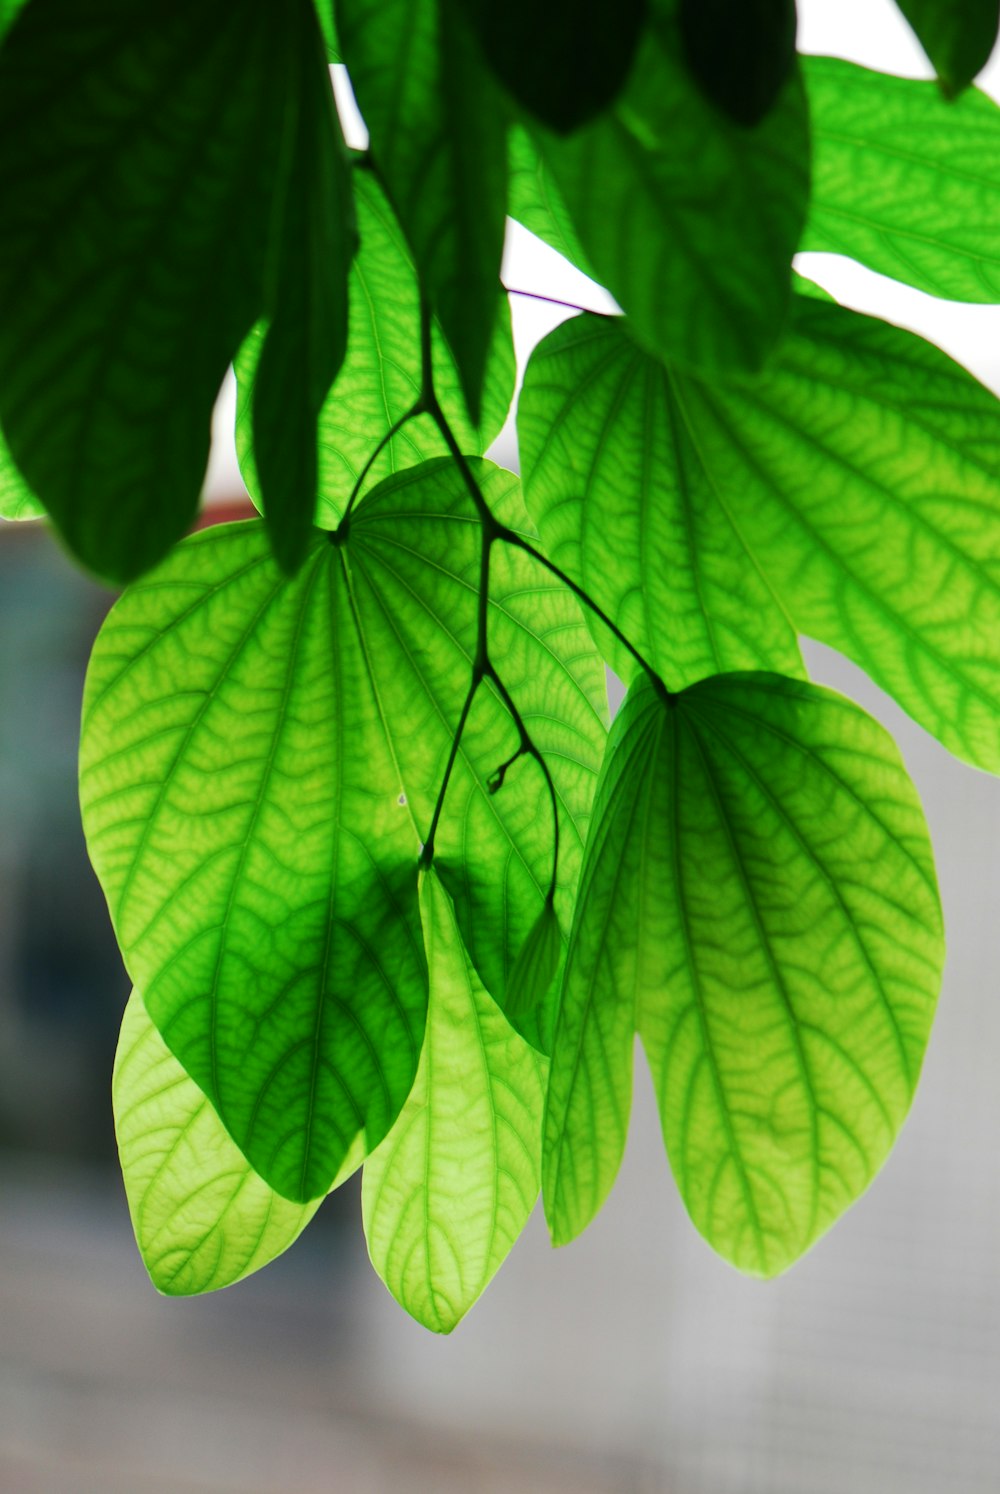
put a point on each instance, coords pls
(759, 901)
(688, 219)
(8, 10)
(957, 35)
(450, 1189)
(202, 1217)
(565, 61)
(380, 379)
(861, 473)
(741, 52)
(313, 242)
(131, 255)
(260, 760)
(904, 183)
(615, 482)
(437, 130)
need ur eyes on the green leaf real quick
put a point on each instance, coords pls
(324, 14)
(566, 61)
(759, 901)
(536, 966)
(131, 257)
(9, 9)
(17, 501)
(380, 379)
(614, 480)
(904, 183)
(860, 470)
(957, 35)
(313, 242)
(259, 764)
(741, 52)
(438, 136)
(447, 1193)
(535, 201)
(202, 1217)
(662, 188)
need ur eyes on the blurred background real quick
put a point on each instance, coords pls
(631, 1362)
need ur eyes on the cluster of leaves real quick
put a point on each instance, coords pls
(389, 891)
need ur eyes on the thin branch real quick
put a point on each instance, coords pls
(418, 408)
(511, 537)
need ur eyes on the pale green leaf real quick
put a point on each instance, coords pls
(438, 135)
(202, 1217)
(536, 965)
(688, 219)
(902, 181)
(613, 478)
(380, 379)
(861, 470)
(17, 501)
(260, 759)
(448, 1192)
(759, 902)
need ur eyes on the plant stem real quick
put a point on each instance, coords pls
(419, 408)
(511, 537)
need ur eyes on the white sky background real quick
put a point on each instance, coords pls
(871, 32)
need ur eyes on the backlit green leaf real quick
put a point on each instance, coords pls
(450, 1189)
(437, 128)
(688, 219)
(564, 61)
(742, 52)
(260, 760)
(535, 201)
(202, 1217)
(131, 256)
(957, 35)
(759, 902)
(861, 471)
(614, 480)
(17, 501)
(903, 182)
(535, 968)
(379, 381)
(312, 245)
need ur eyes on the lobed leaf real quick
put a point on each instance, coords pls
(447, 1193)
(437, 130)
(202, 1217)
(902, 182)
(662, 186)
(862, 471)
(614, 479)
(379, 381)
(759, 902)
(260, 759)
